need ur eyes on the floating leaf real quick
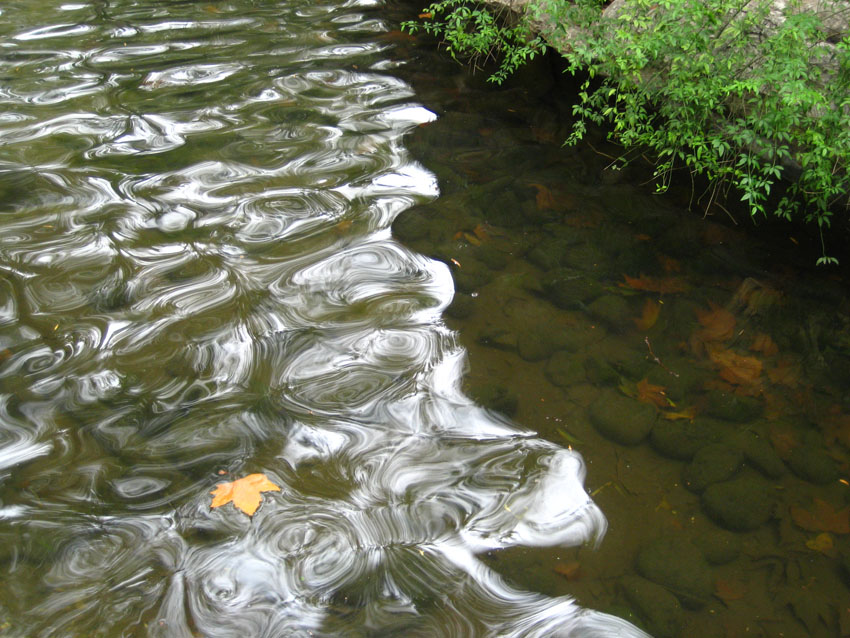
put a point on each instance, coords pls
(654, 394)
(667, 285)
(735, 368)
(764, 344)
(822, 518)
(648, 316)
(244, 492)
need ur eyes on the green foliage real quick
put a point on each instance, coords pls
(476, 35)
(709, 88)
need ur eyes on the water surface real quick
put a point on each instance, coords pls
(198, 282)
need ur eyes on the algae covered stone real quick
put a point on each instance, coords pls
(620, 418)
(712, 464)
(679, 566)
(565, 369)
(679, 440)
(741, 505)
(655, 605)
(813, 464)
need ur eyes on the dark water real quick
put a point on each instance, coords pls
(231, 234)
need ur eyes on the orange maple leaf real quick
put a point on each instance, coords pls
(654, 394)
(655, 284)
(648, 316)
(244, 492)
(822, 518)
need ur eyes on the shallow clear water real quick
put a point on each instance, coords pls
(198, 282)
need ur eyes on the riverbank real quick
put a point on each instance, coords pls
(754, 97)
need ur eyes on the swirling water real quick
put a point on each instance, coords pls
(198, 282)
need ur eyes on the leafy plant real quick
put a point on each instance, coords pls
(705, 87)
(477, 35)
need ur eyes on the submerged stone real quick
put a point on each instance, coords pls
(494, 397)
(761, 455)
(611, 309)
(731, 407)
(621, 419)
(658, 607)
(719, 546)
(680, 567)
(600, 372)
(679, 440)
(711, 464)
(813, 464)
(461, 307)
(741, 505)
(570, 288)
(565, 369)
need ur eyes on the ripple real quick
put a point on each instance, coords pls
(198, 281)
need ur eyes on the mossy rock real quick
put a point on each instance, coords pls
(570, 288)
(718, 546)
(659, 608)
(711, 464)
(461, 307)
(491, 257)
(540, 342)
(412, 224)
(679, 566)
(494, 397)
(621, 419)
(471, 276)
(600, 372)
(565, 369)
(813, 464)
(550, 252)
(741, 505)
(731, 407)
(613, 310)
(761, 455)
(679, 440)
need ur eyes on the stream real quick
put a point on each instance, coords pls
(500, 389)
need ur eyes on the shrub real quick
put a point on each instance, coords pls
(720, 88)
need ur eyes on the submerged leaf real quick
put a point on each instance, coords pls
(823, 543)
(764, 344)
(688, 413)
(244, 492)
(822, 518)
(648, 316)
(727, 590)
(545, 200)
(735, 368)
(654, 394)
(718, 324)
(655, 284)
